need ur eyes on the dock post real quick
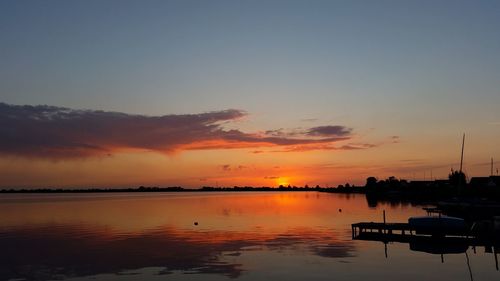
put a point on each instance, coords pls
(496, 258)
(384, 219)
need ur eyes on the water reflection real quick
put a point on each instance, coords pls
(60, 251)
(61, 237)
(248, 236)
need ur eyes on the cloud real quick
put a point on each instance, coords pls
(326, 146)
(415, 161)
(229, 168)
(309, 120)
(56, 132)
(356, 146)
(337, 131)
(395, 139)
(271, 177)
(321, 131)
(277, 132)
(226, 167)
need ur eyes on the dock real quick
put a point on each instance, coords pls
(395, 230)
(443, 242)
(403, 233)
(434, 235)
(362, 228)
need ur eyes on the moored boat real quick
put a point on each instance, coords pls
(438, 225)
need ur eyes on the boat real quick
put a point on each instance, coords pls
(436, 225)
(439, 246)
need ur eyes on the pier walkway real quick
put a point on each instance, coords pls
(381, 228)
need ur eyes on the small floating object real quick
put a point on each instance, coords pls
(195, 223)
(340, 210)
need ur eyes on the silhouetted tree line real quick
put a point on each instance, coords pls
(456, 186)
(457, 178)
(161, 189)
(94, 190)
(390, 188)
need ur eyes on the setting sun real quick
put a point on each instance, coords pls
(284, 181)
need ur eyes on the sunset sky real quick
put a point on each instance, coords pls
(263, 93)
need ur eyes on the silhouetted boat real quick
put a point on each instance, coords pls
(471, 208)
(439, 246)
(437, 225)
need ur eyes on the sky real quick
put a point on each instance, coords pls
(262, 93)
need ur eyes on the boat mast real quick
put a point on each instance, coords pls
(462, 156)
(461, 166)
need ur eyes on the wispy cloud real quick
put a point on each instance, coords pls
(324, 131)
(326, 146)
(229, 167)
(395, 139)
(57, 132)
(309, 120)
(320, 131)
(226, 167)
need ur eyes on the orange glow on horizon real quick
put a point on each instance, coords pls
(226, 168)
(284, 181)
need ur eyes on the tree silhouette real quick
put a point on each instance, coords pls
(457, 178)
(371, 182)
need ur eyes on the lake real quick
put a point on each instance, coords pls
(213, 236)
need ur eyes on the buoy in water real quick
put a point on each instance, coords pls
(195, 223)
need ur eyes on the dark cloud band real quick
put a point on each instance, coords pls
(58, 132)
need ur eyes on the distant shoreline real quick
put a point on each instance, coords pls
(162, 189)
(390, 189)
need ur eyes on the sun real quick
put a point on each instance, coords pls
(284, 181)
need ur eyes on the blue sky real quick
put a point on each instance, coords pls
(422, 70)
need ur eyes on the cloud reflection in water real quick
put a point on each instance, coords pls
(60, 251)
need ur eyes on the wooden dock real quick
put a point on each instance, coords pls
(431, 238)
(402, 229)
(442, 243)
(405, 229)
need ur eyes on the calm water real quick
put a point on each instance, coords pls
(244, 236)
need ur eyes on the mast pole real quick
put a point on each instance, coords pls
(461, 166)
(462, 156)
